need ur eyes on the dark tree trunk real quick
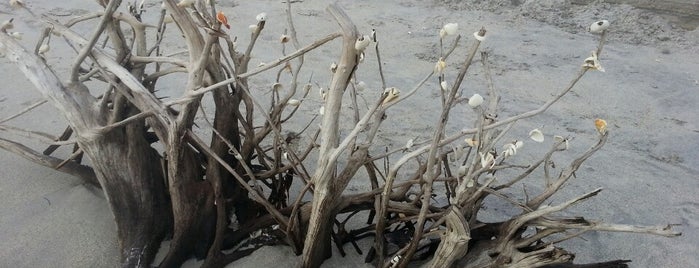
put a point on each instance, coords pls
(130, 175)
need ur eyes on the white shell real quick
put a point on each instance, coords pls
(510, 149)
(444, 85)
(475, 100)
(564, 145)
(44, 48)
(440, 66)
(261, 17)
(333, 67)
(392, 94)
(362, 42)
(322, 110)
(16, 35)
(16, 3)
(293, 102)
(451, 28)
(478, 36)
(252, 27)
(284, 38)
(7, 25)
(599, 26)
(536, 135)
(410, 143)
(277, 87)
(470, 183)
(321, 91)
(487, 160)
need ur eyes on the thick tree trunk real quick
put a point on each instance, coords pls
(192, 203)
(129, 171)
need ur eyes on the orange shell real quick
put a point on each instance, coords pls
(601, 125)
(222, 19)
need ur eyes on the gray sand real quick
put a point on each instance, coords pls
(648, 95)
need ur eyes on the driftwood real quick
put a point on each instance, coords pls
(211, 198)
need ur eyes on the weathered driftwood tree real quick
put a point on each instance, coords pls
(185, 190)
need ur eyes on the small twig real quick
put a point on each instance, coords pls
(23, 111)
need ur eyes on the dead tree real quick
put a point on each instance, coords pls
(187, 190)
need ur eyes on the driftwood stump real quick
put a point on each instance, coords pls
(222, 199)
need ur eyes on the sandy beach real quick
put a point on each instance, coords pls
(648, 94)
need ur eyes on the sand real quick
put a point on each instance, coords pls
(648, 94)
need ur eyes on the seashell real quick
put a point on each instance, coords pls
(510, 149)
(361, 57)
(17, 3)
(277, 87)
(322, 110)
(7, 25)
(321, 92)
(471, 142)
(451, 28)
(536, 135)
(362, 42)
(598, 27)
(396, 259)
(444, 85)
(284, 38)
(222, 19)
(293, 102)
(16, 35)
(44, 48)
(601, 126)
(261, 17)
(480, 35)
(440, 66)
(592, 62)
(487, 160)
(253, 28)
(392, 94)
(410, 143)
(475, 100)
(518, 144)
(470, 183)
(333, 67)
(564, 144)
(442, 33)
